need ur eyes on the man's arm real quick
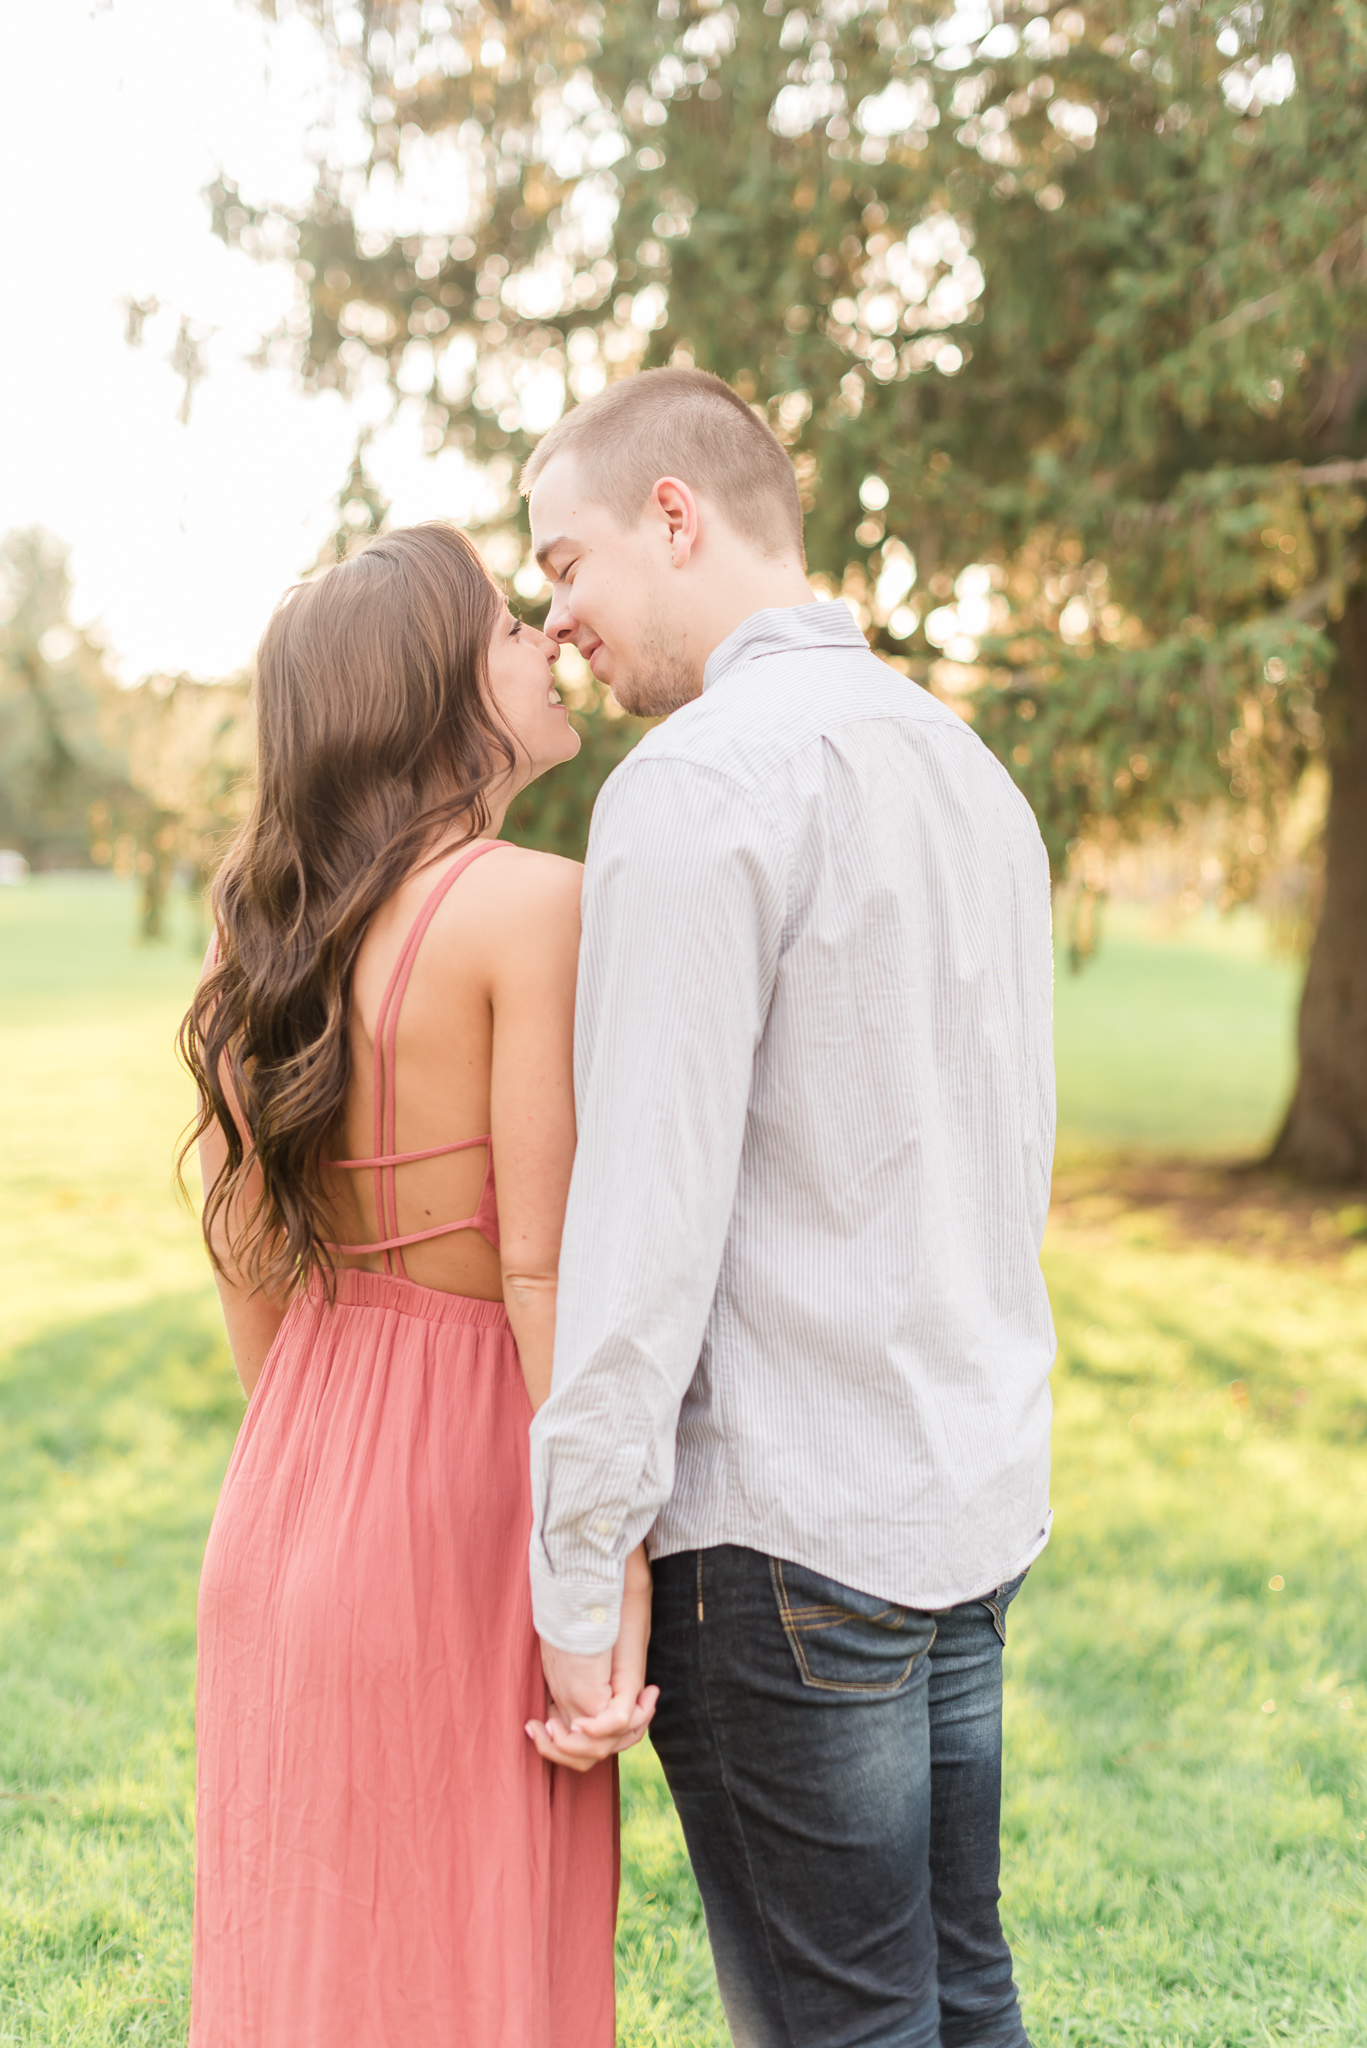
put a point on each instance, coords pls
(685, 895)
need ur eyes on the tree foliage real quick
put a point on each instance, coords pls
(146, 781)
(188, 748)
(1062, 318)
(1078, 301)
(55, 752)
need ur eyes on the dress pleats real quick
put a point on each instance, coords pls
(383, 1861)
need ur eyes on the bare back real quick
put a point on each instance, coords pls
(483, 1047)
(441, 1078)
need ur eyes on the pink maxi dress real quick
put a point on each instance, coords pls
(382, 1858)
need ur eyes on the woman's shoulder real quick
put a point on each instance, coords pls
(514, 892)
(514, 911)
(524, 875)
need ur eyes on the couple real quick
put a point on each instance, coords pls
(760, 1281)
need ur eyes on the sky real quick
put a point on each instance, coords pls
(182, 536)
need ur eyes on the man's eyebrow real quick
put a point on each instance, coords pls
(544, 553)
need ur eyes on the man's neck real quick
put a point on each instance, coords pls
(754, 585)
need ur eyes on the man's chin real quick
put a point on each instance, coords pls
(656, 678)
(617, 677)
(655, 695)
(637, 699)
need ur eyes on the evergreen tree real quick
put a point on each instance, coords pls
(1062, 317)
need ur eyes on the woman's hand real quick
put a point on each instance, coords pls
(597, 1706)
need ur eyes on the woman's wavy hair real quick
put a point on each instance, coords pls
(374, 742)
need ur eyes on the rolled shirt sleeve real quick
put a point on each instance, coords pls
(684, 902)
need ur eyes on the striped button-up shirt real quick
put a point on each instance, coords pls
(800, 1303)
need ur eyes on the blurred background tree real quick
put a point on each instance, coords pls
(188, 748)
(1061, 316)
(145, 781)
(56, 759)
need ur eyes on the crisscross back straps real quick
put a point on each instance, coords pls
(387, 1156)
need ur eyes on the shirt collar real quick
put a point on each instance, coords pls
(784, 629)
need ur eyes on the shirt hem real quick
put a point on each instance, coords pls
(938, 1601)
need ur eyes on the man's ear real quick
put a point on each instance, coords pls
(679, 512)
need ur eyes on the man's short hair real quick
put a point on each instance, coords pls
(687, 424)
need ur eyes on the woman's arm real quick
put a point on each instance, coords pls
(532, 984)
(533, 955)
(252, 1320)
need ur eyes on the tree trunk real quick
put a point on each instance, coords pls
(1324, 1137)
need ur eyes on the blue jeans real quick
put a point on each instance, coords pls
(836, 1764)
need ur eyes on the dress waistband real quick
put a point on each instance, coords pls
(356, 1288)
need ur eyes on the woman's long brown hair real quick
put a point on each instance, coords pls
(374, 742)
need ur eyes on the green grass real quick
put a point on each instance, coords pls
(1186, 1044)
(1182, 1868)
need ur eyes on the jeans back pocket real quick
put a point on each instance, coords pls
(844, 1641)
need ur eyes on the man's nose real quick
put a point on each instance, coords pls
(561, 623)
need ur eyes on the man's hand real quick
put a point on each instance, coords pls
(600, 1705)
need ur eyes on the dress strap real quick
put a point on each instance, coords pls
(394, 1244)
(386, 1036)
(408, 1158)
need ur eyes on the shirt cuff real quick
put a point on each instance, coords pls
(577, 1616)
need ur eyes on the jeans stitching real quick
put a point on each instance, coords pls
(997, 1608)
(793, 1629)
(814, 1618)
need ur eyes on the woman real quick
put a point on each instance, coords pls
(384, 1859)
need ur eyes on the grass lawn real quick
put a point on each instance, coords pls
(1187, 1704)
(1187, 1044)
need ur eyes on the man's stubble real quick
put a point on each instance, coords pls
(661, 678)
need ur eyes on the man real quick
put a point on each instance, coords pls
(803, 1338)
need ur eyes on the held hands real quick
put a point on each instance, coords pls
(599, 1705)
